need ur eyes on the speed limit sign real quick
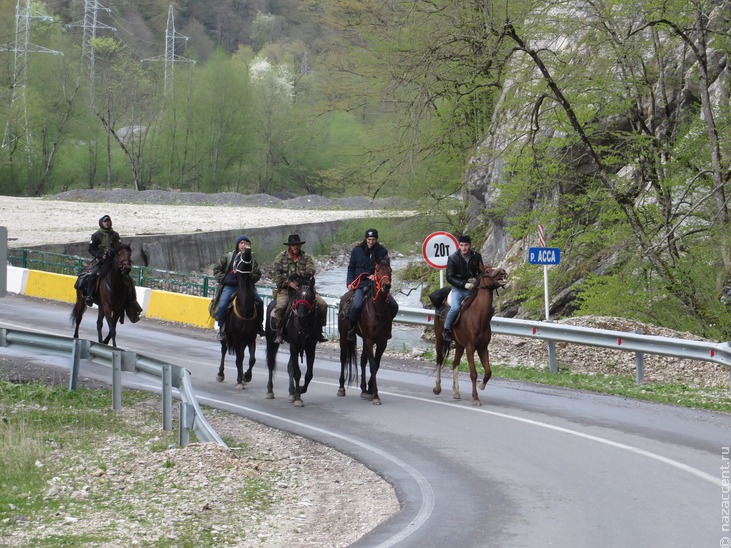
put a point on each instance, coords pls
(437, 248)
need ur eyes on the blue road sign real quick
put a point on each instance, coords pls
(544, 255)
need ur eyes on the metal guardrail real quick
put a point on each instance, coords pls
(552, 332)
(169, 375)
(549, 331)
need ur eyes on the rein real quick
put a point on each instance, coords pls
(379, 283)
(238, 315)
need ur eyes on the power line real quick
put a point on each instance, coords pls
(170, 56)
(90, 25)
(14, 129)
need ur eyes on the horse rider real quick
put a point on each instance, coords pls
(463, 267)
(101, 244)
(361, 273)
(288, 267)
(228, 284)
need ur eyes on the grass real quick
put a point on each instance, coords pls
(712, 399)
(50, 440)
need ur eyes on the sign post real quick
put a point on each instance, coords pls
(436, 250)
(545, 256)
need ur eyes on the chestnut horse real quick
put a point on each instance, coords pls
(302, 332)
(242, 322)
(374, 326)
(109, 293)
(471, 333)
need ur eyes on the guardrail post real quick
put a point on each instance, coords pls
(552, 363)
(116, 380)
(187, 416)
(3, 337)
(167, 397)
(640, 366)
(75, 358)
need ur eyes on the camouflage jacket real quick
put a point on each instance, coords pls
(284, 267)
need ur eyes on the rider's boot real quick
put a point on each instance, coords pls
(221, 335)
(89, 300)
(447, 335)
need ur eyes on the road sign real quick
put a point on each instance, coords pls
(437, 247)
(544, 255)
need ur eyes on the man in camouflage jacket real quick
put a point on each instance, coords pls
(288, 267)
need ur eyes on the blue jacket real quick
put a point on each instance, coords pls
(363, 260)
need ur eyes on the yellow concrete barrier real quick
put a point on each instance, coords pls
(190, 309)
(48, 285)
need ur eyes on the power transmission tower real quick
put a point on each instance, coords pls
(170, 56)
(90, 25)
(16, 127)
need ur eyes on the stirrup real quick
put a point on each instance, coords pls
(322, 337)
(351, 334)
(447, 335)
(89, 300)
(279, 339)
(221, 335)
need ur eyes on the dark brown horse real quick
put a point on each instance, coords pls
(109, 293)
(374, 326)
(242, 322)
(301, 331)
(471, 333)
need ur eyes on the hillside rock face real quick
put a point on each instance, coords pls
(517, 122)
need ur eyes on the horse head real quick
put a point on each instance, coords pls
(303, 299)
(122, 258)
(382, 276)
(244, 264)
(492, 278)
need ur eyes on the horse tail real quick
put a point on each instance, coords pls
(77, 312)
(352, 359)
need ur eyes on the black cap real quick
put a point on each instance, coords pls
(371, 233)
(464, 240)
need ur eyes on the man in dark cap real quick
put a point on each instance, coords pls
(463, 267)
(101, 244)
(361, 272)
(288, 267)
(227, 285)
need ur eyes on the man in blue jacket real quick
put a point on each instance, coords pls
(361, 273)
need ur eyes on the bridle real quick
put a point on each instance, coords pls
(243, 266)
(382, 283)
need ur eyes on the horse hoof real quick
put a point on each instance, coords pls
(436, 391)
(247, 376)
(270, 395)
(298, 403)
(219, 377)
(291, 398)
(456, 397)
(481, 385)
(239, 386)
(477, 403)
(366, 396)
(341, 392)
(376, 401)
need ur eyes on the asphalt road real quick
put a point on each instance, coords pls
(534, 466)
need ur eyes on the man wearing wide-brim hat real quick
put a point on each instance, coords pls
(290, 266)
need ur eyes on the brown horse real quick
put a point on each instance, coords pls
(242, 322)
(374, 326)
(471, 333)
(301, 331)
(109, 293)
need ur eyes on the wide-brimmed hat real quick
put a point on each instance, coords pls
(294, 239)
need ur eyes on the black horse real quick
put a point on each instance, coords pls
(242, 322)
(109, 292)
(301, 331)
